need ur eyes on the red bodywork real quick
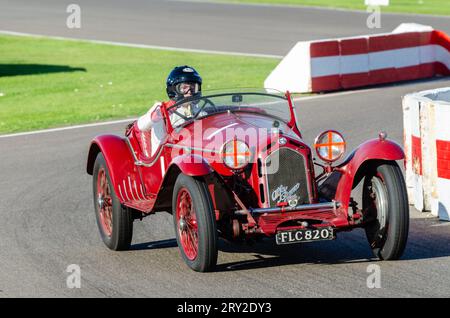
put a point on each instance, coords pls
(145, 183)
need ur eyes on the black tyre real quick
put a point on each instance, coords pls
(195, 223)
(385, 206)
(114, 221)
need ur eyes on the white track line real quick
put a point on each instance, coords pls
(300, 6)
(45, 131)
(369, 89)
(296, 99)
(337, 94)
(142, 46)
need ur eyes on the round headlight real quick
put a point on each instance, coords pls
(330, 145)
(282, 141)
(235, 154)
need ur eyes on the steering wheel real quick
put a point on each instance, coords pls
(207, 101)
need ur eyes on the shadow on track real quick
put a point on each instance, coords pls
(34, 69)
(154, 245)
(428, 238)
(348, 248)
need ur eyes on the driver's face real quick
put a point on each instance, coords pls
(187, 89)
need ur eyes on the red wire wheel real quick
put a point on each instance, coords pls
(187, 224)
(115, 221)
(104, 202)
(195, 223)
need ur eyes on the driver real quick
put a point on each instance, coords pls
(182, 82)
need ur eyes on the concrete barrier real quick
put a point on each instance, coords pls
(426, 118)
(410, 52)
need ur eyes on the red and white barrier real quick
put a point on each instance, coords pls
(427, 148)
(413, 152)
(443, 154)
(335, 64)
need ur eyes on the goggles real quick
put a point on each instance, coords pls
(184, 88)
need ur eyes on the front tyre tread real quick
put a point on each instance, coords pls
(395, 234)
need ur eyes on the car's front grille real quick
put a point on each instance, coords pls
(286, 177)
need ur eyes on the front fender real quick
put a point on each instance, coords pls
(342, 180)
(118, 159)
(192, 165)
(189, 164)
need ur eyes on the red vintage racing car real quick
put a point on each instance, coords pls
(236, 167)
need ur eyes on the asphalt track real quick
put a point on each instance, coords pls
(196, 25)
(47, 219)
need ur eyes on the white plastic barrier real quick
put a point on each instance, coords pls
(410, 52)
(413, 149)
(427, 147)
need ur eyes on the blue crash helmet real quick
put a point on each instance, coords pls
(182, 79)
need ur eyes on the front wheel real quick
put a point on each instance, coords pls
(195, 223)
(114, 221)
(385, 206)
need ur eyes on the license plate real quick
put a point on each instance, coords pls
(304, 235)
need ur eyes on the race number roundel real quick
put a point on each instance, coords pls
(330, 146)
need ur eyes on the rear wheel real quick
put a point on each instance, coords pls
(114, 221)
(195, 224)
(385, 206)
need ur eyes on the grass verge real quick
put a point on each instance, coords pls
(47, 83)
